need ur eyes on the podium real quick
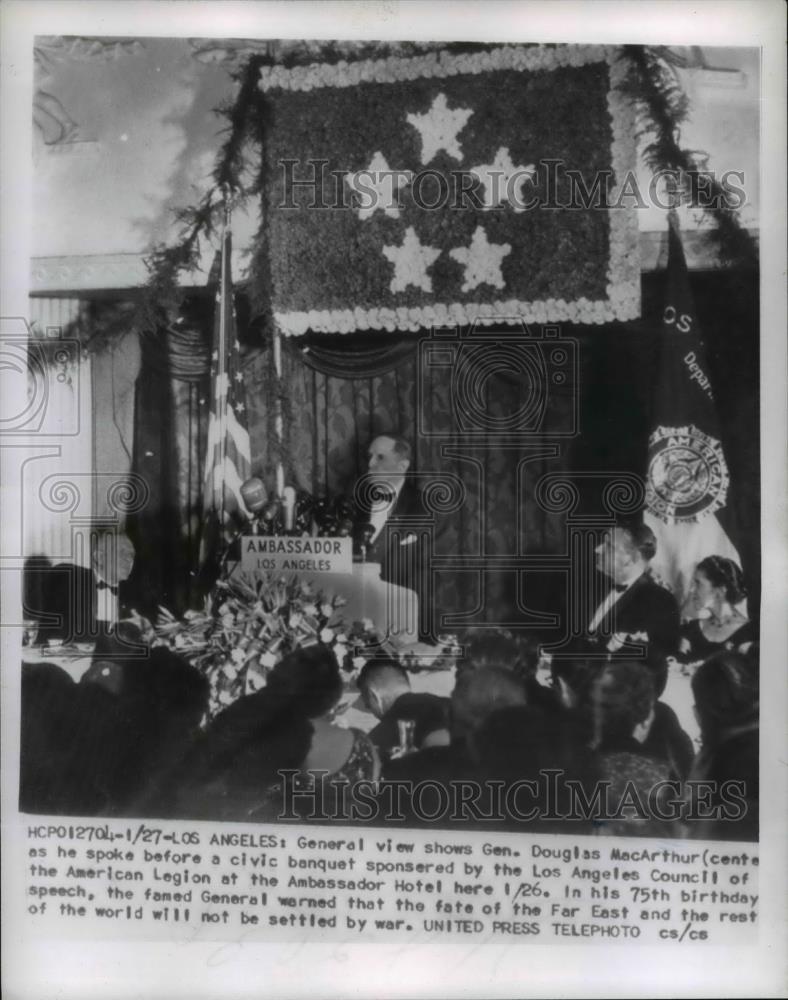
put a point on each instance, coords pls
(327, 563)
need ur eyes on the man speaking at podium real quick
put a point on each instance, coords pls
(391, 519)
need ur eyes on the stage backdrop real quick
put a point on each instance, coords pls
(331, 418)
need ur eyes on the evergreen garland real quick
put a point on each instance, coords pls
(663, 108)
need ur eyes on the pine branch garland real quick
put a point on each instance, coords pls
(664, 108)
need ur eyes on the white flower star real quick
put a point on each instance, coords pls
(482, 261)
(438, 128)
(411, 261)
(375, 187)
(503, 181)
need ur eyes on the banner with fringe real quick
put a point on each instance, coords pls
(449, 188)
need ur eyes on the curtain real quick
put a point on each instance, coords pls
(342, 391)
(171, 415)
(490, 476)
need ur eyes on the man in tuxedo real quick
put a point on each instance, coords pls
(392, 524)
(636, 609)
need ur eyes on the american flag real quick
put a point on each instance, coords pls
(227, 456)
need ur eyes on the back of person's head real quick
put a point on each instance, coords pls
(123, 641)
(230, 769)
(176, 685)
(621, 700)
(725, 575)
(477, 694)
(572, 679)
(161, 684)
(307, 679)
(47, 726)
(493, 646)
(34, 577)
(726, 690)
(528, 743)
(380, 682)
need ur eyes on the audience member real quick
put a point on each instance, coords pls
(287, 726)
(529, 744)
(72, 740)
(384, 686)
(494, 646)
(46, 726)
(726, 689)
(232, 771)
(477, 694)
(159, 701)
(622, 705)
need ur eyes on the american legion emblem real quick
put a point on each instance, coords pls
(687, 476)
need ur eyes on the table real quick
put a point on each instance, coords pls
(677, 694)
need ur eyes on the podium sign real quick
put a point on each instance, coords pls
(286, 554)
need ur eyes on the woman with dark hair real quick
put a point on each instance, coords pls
(726, 690)
(518, 652)
(232, 771)
(336, 756)
(717, 587)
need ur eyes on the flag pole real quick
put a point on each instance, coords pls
(222, 360)
(278, 419)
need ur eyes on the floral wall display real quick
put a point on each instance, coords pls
(403, 193)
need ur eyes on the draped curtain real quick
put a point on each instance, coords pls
(342, 395)
(171, 417)
(342, 391)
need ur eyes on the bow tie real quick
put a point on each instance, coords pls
(103, 585)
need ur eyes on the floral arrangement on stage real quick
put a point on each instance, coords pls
(247, 627)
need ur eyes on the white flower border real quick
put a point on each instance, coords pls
(396, 69)
(623, 274)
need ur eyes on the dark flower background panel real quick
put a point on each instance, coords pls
(329, 258)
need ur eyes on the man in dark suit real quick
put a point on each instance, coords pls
(393, 527)
(384, 687)
(80, 603)
(636, 610)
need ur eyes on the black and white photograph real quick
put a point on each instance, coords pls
(391, 467)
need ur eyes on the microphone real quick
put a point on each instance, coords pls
(365, 531)
(254, 495)
(288, 506)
